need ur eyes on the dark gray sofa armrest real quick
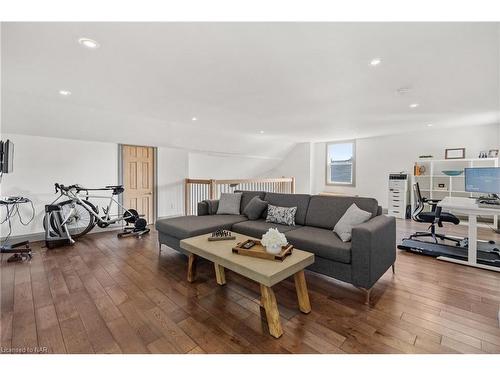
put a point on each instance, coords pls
(208, 207)
(373, 250)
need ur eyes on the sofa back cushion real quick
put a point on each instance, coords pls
(247, 195)
(326, 211)
(301, 201)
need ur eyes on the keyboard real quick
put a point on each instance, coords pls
(488, 204)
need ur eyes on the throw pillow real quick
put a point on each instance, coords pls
(281, 215)
(255, 208)
(353, 216)
(229, 204)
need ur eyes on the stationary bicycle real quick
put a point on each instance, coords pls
(72, 218)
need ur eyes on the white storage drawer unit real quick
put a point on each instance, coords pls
(398, 195)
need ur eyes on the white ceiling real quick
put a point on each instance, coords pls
(296, 81)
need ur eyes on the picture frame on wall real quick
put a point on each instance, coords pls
(493, 153)
(454, 153)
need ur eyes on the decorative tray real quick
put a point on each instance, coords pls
(259, 251)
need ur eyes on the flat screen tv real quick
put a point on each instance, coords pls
(6, 156)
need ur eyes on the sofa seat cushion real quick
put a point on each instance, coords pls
(256, 228)
(322, 242)
(190, 226)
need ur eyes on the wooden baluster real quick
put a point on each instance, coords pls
(186, 196)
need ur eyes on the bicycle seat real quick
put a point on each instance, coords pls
(117, 189)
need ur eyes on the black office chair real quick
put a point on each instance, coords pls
(433, 217)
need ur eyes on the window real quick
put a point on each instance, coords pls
(340, 163)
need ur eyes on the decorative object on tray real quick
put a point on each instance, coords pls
(453, 173)
(254, 248)
(221, 235)
(493, 153)
(273, 240)
(454, 153)
(425, 157)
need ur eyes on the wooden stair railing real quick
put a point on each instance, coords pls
(197, 189)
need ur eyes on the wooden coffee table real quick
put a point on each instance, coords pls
(266, 272)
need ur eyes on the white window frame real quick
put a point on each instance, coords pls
(328, 169)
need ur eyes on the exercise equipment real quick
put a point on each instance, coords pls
(488, 252)
(56, 232)
(139, 229)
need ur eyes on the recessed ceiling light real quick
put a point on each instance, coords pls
(261, 132)
(414, 105)
(89, 43)
(375, 62)
(65, 92)
(194, 119)
(429, 125)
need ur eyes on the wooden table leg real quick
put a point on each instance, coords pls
(191, 274)
(220, 275)
(272, 313)
(302, 294)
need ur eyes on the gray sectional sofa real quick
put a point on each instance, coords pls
(360, 262)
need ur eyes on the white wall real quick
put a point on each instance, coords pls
(39, 162)
(378, 156)
(217, 166)
(173, 167)
(298, 164)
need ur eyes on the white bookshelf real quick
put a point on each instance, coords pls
(455, 185)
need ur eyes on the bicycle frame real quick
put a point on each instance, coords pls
(108, 219)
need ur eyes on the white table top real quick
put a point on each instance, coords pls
(467, 206)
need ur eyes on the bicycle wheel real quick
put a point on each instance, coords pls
(81, 220)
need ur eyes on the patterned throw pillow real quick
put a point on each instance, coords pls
(281, 215)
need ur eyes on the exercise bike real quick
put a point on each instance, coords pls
(72, 218)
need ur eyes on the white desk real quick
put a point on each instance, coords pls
(469, 207)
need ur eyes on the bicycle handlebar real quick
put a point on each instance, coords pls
(63, 188)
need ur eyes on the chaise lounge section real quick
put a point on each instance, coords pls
(360, 262)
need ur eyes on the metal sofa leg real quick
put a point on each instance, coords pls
(393, 268)
(159, 247)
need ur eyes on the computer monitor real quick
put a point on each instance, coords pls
(6, 156)
(482, 180)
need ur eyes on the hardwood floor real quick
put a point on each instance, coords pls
(109, 295)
